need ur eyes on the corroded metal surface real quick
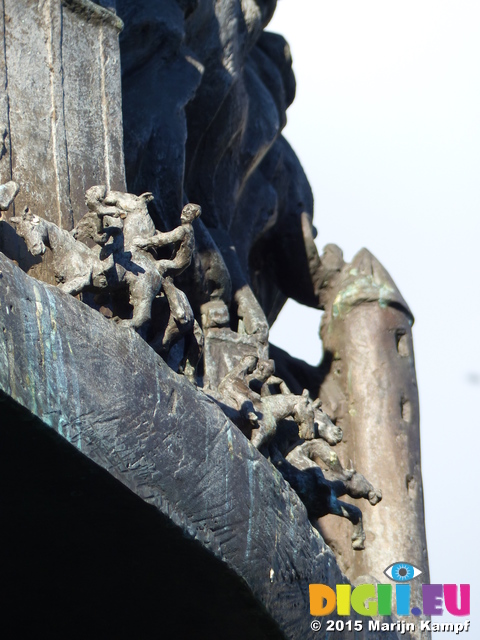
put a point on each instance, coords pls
(205, 92)
(371, 392)
(60, 115)
(165, 440)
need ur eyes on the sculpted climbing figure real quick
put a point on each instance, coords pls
(319, 495)
(182, 239)
(244, 395)
(295, 434)
(314, 470)
(80, 268)
(134, 269)
(276, 406)
(101, 221)
(77, 267)
(262, 378)
(181, 320)
(118, 223)
(235, 395)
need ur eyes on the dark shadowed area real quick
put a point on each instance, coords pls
(83, 557)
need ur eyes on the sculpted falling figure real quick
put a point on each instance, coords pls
(181, 321)
(121, 228)
(294, 434)
(118, 265)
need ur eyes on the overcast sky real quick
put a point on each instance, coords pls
(386, 123)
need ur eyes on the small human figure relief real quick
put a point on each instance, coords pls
(181, 323)
(123, 234)
(256, 400)
(296, 435)
(314, 470)
(289, 429)
(182, 239)
(319, 495)
(236, 397)
(176, 325)
(101, 221)
(77, 267)
(119, 265)
(255, 415)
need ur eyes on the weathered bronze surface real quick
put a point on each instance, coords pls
(163, 291)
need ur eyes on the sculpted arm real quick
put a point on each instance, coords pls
(160, 239)
(282, 385)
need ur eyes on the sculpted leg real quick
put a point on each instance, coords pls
(194, 341)
(76, 285)
(141, 298)
(264, 433)
(353, 514)
(181, 315)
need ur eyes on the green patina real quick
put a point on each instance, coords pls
(363, 289)
(230, 442)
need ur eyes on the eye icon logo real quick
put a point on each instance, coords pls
(402, 572)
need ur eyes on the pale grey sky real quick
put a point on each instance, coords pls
(386, 123)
